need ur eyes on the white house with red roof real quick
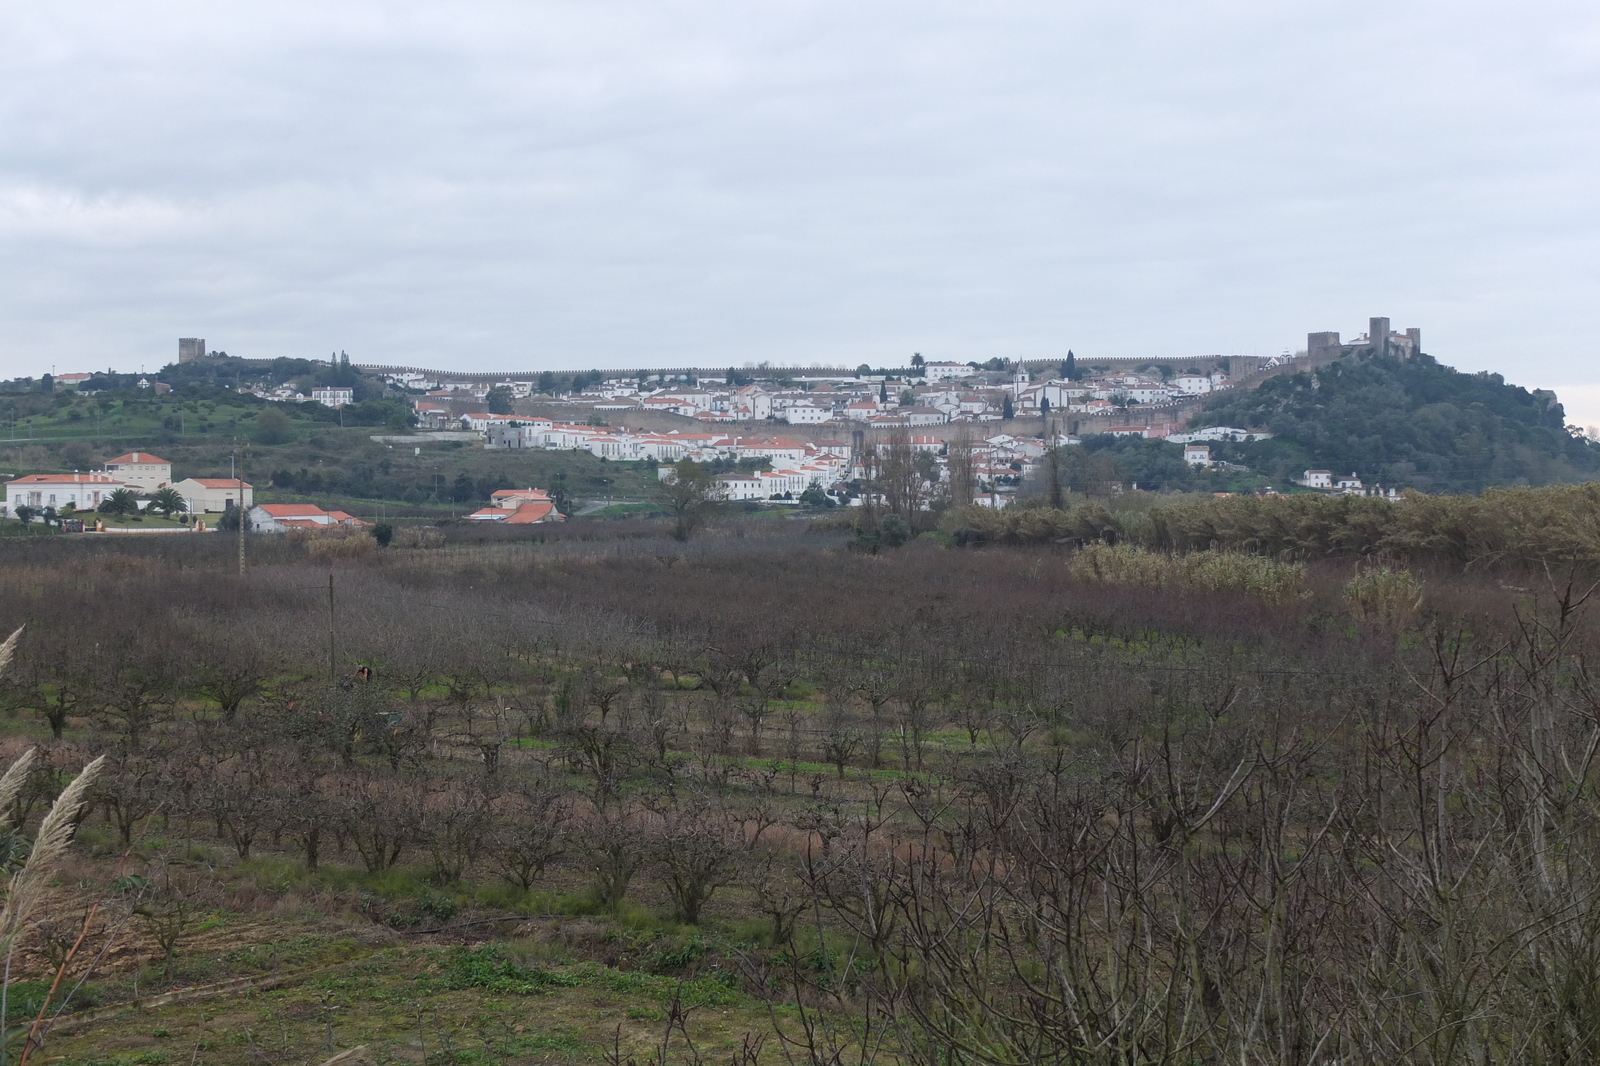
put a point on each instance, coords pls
(282, 517)
(778, 449)
(83, 491)
(204, 495)
(140, 471)
(519, 507)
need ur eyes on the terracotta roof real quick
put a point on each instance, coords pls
(530, 512)
(217, 482)
(64, 479)
(137, 457)
(293, 510)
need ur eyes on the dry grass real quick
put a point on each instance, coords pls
(1204, 571)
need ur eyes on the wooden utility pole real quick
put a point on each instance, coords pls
(333, 669)
(240, 485)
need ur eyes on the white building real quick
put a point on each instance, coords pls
(1211, 433)
(203, 495)
(946, 371)
(83, 491)
(333, 397)
(740, 486)
(923, 416)
(1197, 454)
(282, 517)
(807, 414)
(1318, 479)
(140, 470)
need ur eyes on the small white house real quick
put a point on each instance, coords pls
(207, 495)
(1197, 454)
(807, 414)
(1318, 479)
(282, 517)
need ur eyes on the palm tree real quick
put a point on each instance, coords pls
(169, 501)
(122, 501)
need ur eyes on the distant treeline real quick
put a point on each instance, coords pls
(1517, 526)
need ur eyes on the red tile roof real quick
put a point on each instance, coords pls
(218, 482)
(137, 457)
(64, 479)
(530, 512)
(292, 510)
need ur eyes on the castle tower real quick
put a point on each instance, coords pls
(1378, 335)
(191, 348)
(1322, 344)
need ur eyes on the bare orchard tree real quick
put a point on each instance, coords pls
(380, 816)
(235, 794)
(138, 681)
(532, 829)
(615, 847)
(132, 787)
(453, 820)
(54, 677)
(698, 847)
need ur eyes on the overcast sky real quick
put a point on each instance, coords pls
(537, 185)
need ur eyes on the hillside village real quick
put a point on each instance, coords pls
(927, 395)
(778, 436)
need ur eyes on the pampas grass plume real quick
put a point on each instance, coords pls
(55, 834)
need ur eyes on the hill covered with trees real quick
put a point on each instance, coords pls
(1410, 424)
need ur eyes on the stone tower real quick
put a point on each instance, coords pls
(1378, 335)
(191, 348)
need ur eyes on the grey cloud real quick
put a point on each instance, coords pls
(582, 184)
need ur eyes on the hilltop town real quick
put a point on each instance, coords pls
(1369, 417)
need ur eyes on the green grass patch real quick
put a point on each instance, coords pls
(490, 968)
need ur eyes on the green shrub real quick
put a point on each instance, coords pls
(1383, 597)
